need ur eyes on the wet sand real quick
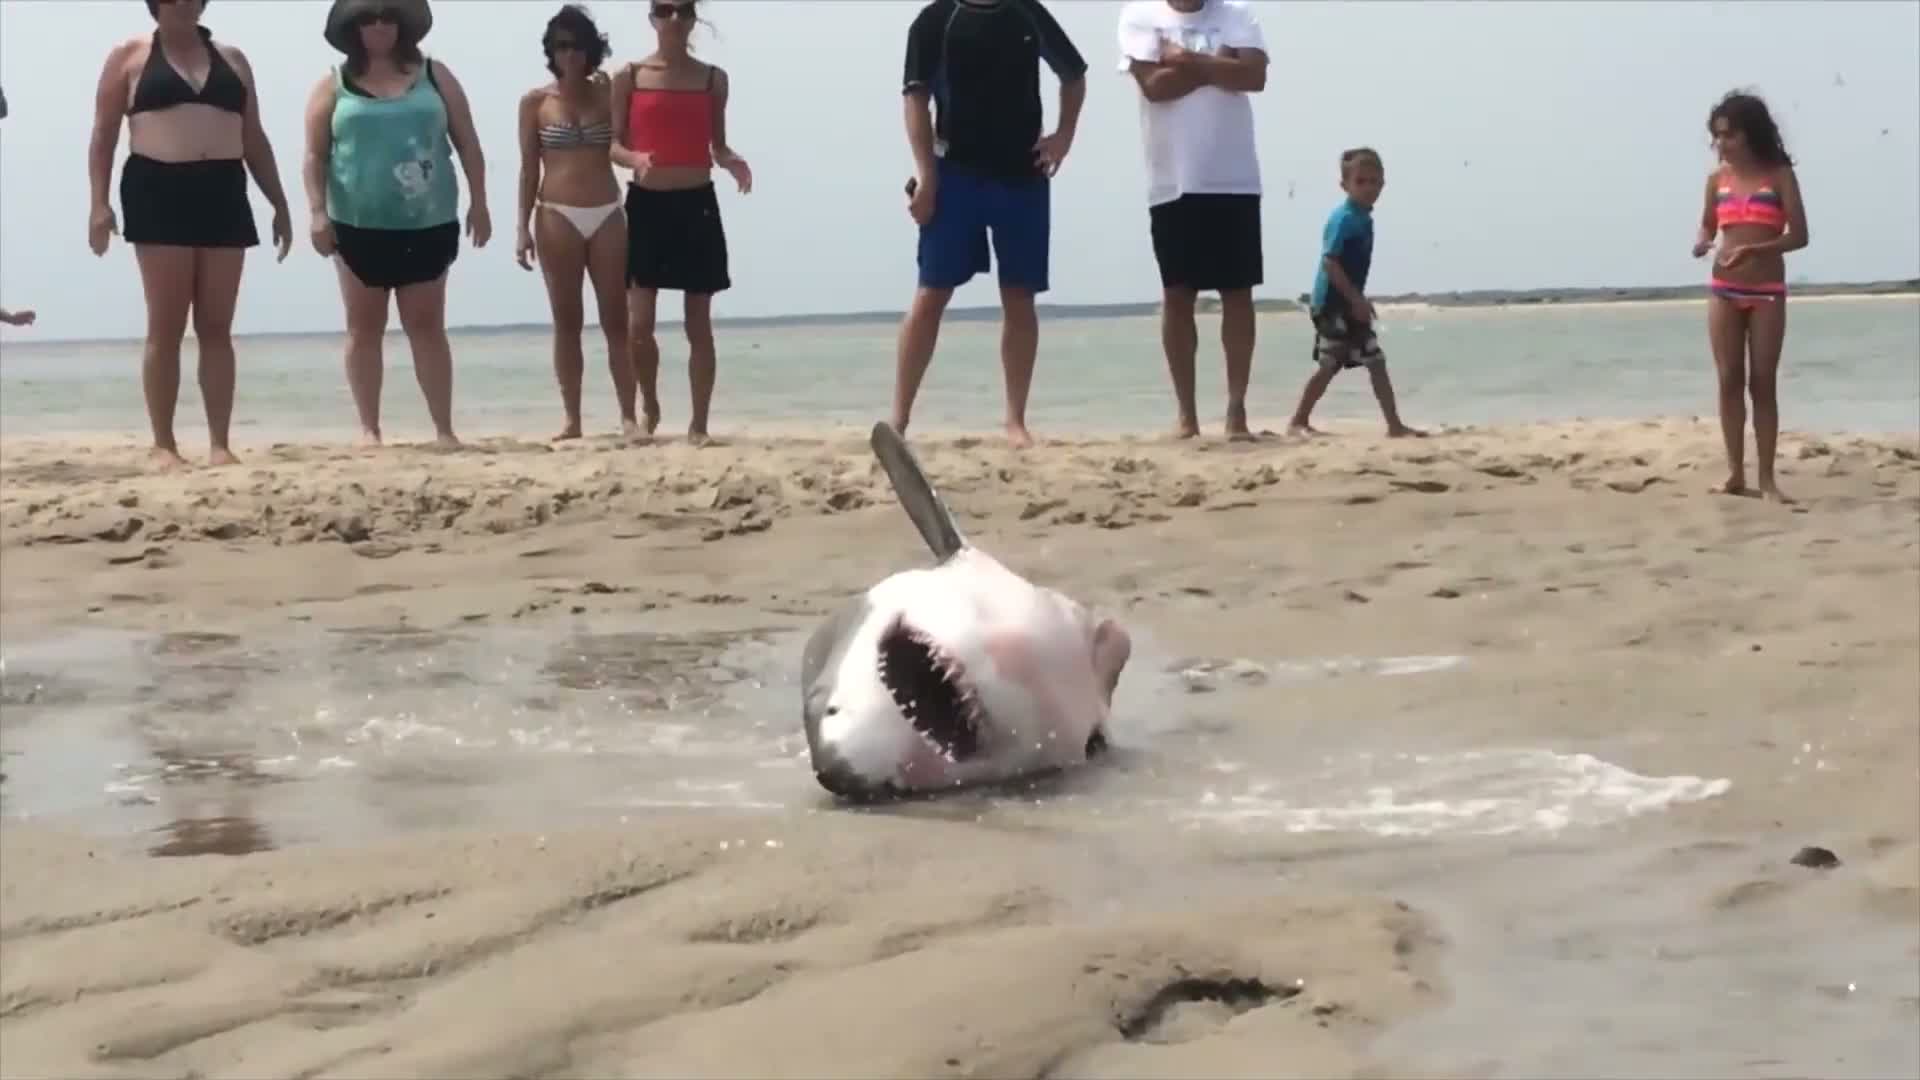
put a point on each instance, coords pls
(1482, 755)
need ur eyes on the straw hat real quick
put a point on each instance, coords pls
(416, 18)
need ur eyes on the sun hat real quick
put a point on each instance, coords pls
(416, 18)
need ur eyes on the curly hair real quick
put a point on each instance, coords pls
(1747, 114)
(575, 22)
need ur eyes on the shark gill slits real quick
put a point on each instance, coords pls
(930, 692)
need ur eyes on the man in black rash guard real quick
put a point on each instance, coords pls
(982, 174)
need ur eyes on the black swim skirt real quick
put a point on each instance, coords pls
(186, 203)
(394, 258)
(675, 240)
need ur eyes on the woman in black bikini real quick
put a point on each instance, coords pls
(194, 132)
(580, 230)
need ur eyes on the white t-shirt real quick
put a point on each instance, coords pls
(1202, 142)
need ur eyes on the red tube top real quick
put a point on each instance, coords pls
(675, 126)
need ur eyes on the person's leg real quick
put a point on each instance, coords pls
(952, 249)
(1329, 353)
(216, 291)
(1242, 269)
(1766, 335)
(1180, 341)
(702, 363)
(167, 279)
(607, 266)
(563, 263)
(423, 317)
(643, 351)
(1727, 334)
(1237, 330)
(366, 315)
(1020, 217)
(1173, 248)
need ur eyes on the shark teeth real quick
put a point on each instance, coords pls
(931, 688)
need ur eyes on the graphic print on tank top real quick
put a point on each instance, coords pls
(392, 160)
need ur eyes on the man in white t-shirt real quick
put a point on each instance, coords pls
(1195, 62)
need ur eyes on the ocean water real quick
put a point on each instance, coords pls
(1851, 365)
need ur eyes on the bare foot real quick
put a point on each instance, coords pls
(571, 431)
(651, 418)
(446, 441)
(630, 430)
(1237, 424)
(698, 438)
(1734, 485)
(166, 459)
(1300, 430)
(220, 456)
(1186, 428)
(1772, 493)
(1402, 431)
(369, 438)
(1019, 437)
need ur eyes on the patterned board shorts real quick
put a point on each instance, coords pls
(1341, 344)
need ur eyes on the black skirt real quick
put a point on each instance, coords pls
(199, 204)
(675, 240)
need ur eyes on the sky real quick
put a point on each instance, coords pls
(1550, 144)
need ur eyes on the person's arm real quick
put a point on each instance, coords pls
(1140, 57)
(924, 46)
(466, 141)
(1709, 217)
(1058, 50)
(723, 154)
(619, 91)
(529, 158)
(1242, 67)
(313, 171)
(1333, 241)
(1796, 236)
(257, 149)
(1164, 82)
(109, 107)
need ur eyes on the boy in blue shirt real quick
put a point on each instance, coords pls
(1343, 317)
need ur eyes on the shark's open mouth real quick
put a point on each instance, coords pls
(932, 690)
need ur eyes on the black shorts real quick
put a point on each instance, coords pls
(186, 203)
(1208, 243)
(1341, 343)
(394, 258)
(675, 240)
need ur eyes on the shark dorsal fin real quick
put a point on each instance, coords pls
(916, 493)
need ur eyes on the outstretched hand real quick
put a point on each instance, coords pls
(742, 174)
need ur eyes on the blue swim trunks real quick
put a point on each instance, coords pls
(969, 208)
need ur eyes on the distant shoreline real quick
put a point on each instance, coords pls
(1452, 299)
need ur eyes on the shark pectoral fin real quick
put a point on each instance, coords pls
(916, 494)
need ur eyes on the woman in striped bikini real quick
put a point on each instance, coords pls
(1753, 206)
(566, 127)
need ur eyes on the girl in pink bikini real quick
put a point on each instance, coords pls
(1753, 206)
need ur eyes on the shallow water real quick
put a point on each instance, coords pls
(1613, 950)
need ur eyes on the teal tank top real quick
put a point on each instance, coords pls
(392, 161)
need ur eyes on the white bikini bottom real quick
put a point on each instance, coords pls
(586, 220)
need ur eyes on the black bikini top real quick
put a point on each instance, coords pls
(162, 87)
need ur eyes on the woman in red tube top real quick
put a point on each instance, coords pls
(1753, 205)
(669, 128)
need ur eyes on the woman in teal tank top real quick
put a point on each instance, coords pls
(382, 131)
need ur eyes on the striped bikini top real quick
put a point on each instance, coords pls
(1761, 206)
(568, 136)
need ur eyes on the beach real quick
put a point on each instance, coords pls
(1488, 754)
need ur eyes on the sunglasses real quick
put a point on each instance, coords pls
(383, 15)
(673, 11)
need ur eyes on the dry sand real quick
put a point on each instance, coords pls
(1604, 601)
